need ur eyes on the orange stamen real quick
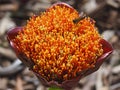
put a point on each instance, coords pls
(60, 48)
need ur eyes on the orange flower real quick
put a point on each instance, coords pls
(56, 48)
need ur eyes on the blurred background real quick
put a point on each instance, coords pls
(15, 76)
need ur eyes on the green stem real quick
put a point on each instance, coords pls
(54, 88)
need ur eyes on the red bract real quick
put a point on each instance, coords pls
(70, 82)
(11, 35)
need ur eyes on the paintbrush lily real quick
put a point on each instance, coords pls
(60, 46)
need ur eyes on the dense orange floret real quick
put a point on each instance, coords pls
(59, 48)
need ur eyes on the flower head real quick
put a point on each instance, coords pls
(58, 50)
